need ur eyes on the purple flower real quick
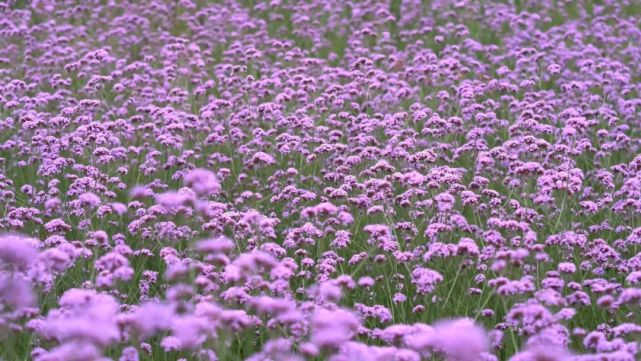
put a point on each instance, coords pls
(202, 181)
(457, 340)
(17, 252)
(333, 328)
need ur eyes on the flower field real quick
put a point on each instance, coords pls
(320, 180)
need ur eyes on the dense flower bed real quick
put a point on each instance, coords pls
(320, 180)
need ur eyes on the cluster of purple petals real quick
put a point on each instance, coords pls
(320, 180)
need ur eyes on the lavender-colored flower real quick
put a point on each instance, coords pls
(17, 252)
(202, 181)
(457, 340)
